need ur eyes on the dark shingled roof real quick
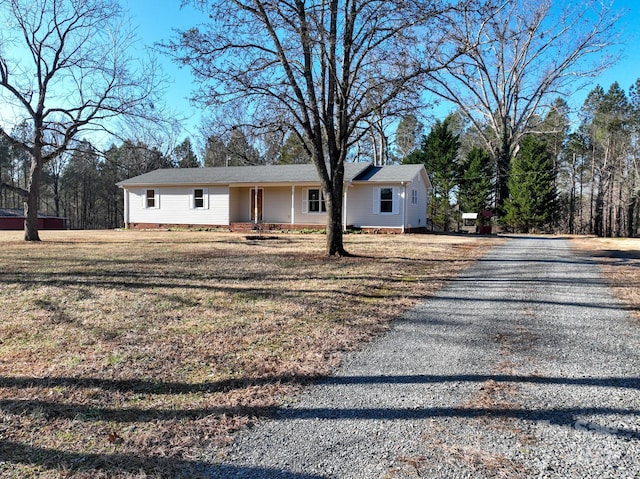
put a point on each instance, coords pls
(268, 174)
(390, 174)
(237, 174)
(19, 213)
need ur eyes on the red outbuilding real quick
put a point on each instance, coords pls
(13, 219)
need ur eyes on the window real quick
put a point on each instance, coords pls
(151, 199)
(386, 200)
(414, 197)
(198, 198)
(316, 201)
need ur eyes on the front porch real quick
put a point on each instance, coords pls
(275, 208)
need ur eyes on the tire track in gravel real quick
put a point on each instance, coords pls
(525, 366)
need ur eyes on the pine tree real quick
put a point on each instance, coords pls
(532, 194)
(184, 157)
(438, 153)
(476, 181)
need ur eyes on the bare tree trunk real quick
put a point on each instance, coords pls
(620, 219)
(335, 244)
(572, 197)
(32, 203)
(631, 212)
(597, 216)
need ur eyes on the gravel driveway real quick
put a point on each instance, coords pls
(524, 366)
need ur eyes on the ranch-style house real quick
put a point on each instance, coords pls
(390, 198)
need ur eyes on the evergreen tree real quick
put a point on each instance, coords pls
(439, 153)
(240, 150)
(293, 151)
(6, 178)
(184, 157)
(79, 191)
(476, 181)
(554, 130)
(215, 152)
(532, 194)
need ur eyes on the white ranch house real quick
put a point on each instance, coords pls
(383, 198)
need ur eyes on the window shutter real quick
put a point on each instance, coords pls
(205, 198)
(396, 198)
(192, 200)
(305, 200)
(156, 199)
(376, 201)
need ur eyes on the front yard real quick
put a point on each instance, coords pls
(136, 354)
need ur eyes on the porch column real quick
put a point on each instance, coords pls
(293, 204)
(404, 206)
(126, 209)
(345, 207)
(255, 204)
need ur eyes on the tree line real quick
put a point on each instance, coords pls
(319, 81)
(80, 185)
(574, 173)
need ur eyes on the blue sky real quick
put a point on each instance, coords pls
(156, 19)
(627, 70)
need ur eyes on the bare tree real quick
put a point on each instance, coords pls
(65, 69)
(407, 136)
(312, 65)
(516, 61)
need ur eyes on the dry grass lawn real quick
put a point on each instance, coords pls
(620, 263)
(137, 354)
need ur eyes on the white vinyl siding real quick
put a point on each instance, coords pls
(276, 204)
(364, 205)
(174, 206)
(416, 215)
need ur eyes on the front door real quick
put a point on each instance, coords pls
(256, 204)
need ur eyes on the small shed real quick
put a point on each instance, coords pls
(13, 219)
(469, 222)
(485, 227)
(477, 222)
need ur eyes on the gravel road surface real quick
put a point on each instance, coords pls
(525, 366)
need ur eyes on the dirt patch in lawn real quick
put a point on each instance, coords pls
(619, 259)
(137, 354)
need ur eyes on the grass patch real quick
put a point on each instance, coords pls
(619, 259)
(137, 354)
